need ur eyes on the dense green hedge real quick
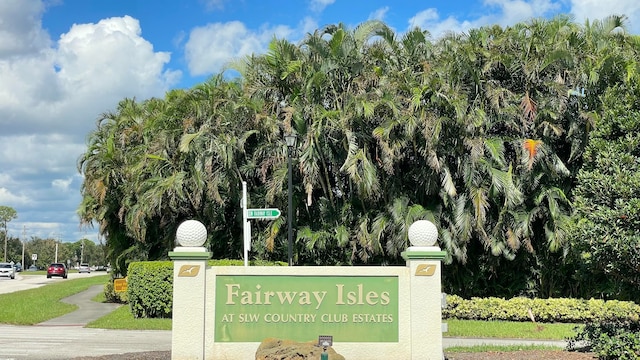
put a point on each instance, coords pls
(150, 285)
(542, 310)
(150, 289)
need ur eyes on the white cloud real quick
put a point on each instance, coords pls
(9, 199)
(510, 12)
(429, 19)
(379, 14)
(26, 155)
(308, 25)
(6, 180)
(211, 47)
(112, 60)
(597, 9)
(501, 12)
(513, 11)
(62, 184)
(320, 5)
(20, 29)
(93, 67)
(51, 93)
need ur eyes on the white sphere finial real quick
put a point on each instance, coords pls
(191, 233)
(423, 233)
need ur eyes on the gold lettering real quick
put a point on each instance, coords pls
(267, 297)
(246, 298)
(384, 298)
(360, 291)
(319, 299)
(304, 298)
(372, 298)
(351, 298)
(286, 296)
(258, 295)
(231, 293)
(340, 300)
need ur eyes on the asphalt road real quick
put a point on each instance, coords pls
(24, 282)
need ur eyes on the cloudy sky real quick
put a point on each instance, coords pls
(64, 62)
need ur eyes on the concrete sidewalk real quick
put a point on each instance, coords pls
(88, 310)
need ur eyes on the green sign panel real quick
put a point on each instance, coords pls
(250, 308)
(263, 213)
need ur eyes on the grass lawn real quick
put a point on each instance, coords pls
(124, 320)
(29, 307)
(510, 329)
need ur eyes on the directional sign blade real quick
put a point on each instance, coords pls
(263, 213)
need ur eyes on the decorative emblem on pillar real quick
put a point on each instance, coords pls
(425, 270)
(189, 270)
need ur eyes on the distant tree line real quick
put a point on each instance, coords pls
(518, 142)
(71, 253)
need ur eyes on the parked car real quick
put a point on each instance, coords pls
(7, 270)
(57, 269)
(84, 268)
(18, 267)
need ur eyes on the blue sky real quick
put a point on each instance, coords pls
(64, 62)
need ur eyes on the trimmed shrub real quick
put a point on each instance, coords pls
(542, 310)
(150, 289)
(150, 286)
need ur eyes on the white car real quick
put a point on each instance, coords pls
(7, 270)
(84, 268)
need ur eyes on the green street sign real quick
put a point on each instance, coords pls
(263, 213)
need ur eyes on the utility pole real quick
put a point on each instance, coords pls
(57, 240)
(24, 236)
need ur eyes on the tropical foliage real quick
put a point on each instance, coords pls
(607, 201)
(482, 133)
(6, 214)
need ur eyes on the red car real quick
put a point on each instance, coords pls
(57, 269)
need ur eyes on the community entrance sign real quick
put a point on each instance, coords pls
(370, 312)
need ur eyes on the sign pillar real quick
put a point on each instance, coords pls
(189, 291)
(425, 261)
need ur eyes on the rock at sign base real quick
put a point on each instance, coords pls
(272, 349)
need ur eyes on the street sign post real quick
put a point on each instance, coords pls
(248, 214)
(263, 213)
